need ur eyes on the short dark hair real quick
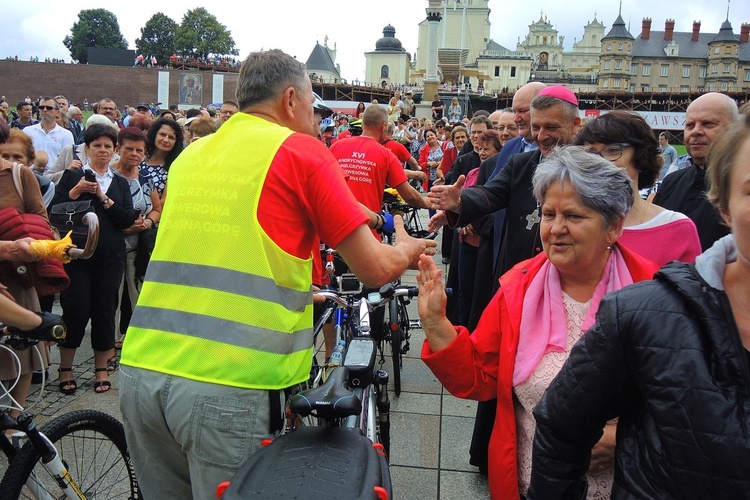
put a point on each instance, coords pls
(151, 140)
(624, 126)
(491, 136)
(481, 119)
(21, 105)
(193, 112)
(97, 131)
(131, 134)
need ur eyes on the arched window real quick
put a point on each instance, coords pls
(384, 71)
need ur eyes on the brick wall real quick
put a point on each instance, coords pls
(77, 82)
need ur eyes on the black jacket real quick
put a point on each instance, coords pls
(510, 189)
(112, 220)
(464, 164)
(666, 357)
(685, 191)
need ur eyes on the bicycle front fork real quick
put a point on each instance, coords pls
(384, 407)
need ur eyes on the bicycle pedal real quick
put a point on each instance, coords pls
(415, 323)
(405, 347)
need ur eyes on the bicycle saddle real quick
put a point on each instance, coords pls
(330, 400)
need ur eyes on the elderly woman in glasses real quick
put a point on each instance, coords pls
(626, 140)
(542, 308)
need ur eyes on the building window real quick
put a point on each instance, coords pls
(619, 45)
(664, 70)
(703, 72)
(609, 47)
(384, 71)
(686, 71)
(712, 87)
(724, 86)
(512, 71)
(606, 64)
(616, 83)
(646, 70)
(717, 50)
(726, 68)
(497, 70)
(618, 64)
(684, 89)
(632, 87)
(644, 88)
(662, 88)
(714, 68)
(633, 69)
(728, 50)
(605, 83)
(747, 75)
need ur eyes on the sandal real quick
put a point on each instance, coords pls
(67, 386)
(104, 385)
(112, 364)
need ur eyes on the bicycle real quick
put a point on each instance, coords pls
(78, 455)
(342, 451)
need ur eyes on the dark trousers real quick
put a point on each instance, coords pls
(467, 268)
(92, 294)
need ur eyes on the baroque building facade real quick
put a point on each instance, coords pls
(672, 61)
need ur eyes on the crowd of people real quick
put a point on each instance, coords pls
(602, 322)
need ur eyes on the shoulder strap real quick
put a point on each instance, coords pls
(17, 183)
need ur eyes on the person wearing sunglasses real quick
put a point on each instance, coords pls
(660, 235)
(47, 135)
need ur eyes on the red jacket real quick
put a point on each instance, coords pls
(480, 366)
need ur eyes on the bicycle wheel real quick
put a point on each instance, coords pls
(92, 445)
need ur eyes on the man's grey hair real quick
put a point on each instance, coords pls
(599, 184)
(72, 110)
(266, 74)
(390, 129)
(546, 101)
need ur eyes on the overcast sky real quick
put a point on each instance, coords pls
(37, 27)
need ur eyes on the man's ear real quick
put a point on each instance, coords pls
(289, 102)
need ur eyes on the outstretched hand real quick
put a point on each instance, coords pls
(432, 299)
(446, 197)
(415, 247)
(437, 221)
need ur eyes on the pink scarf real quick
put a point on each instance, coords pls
(543, 326)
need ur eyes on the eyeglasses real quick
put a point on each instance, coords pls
(611, 152)
(510, 128)
(47, 108)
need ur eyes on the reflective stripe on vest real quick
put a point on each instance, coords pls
(222, 303)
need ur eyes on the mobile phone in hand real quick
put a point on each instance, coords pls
(89, 176)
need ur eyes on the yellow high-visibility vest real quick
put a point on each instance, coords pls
(222, 303)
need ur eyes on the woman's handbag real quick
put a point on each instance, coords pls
(68, 216)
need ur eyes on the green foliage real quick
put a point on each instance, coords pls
(201, 34)
(94, 28)
(157, 38)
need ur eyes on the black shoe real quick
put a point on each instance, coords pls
(36, 377)
(446, 260)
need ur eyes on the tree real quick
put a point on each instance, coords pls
(157, 38)
(201, 34)
(95, 28)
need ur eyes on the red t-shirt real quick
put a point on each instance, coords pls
(305, 197)
(397, 149)
(370, 166)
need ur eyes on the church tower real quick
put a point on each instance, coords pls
(463, 33)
